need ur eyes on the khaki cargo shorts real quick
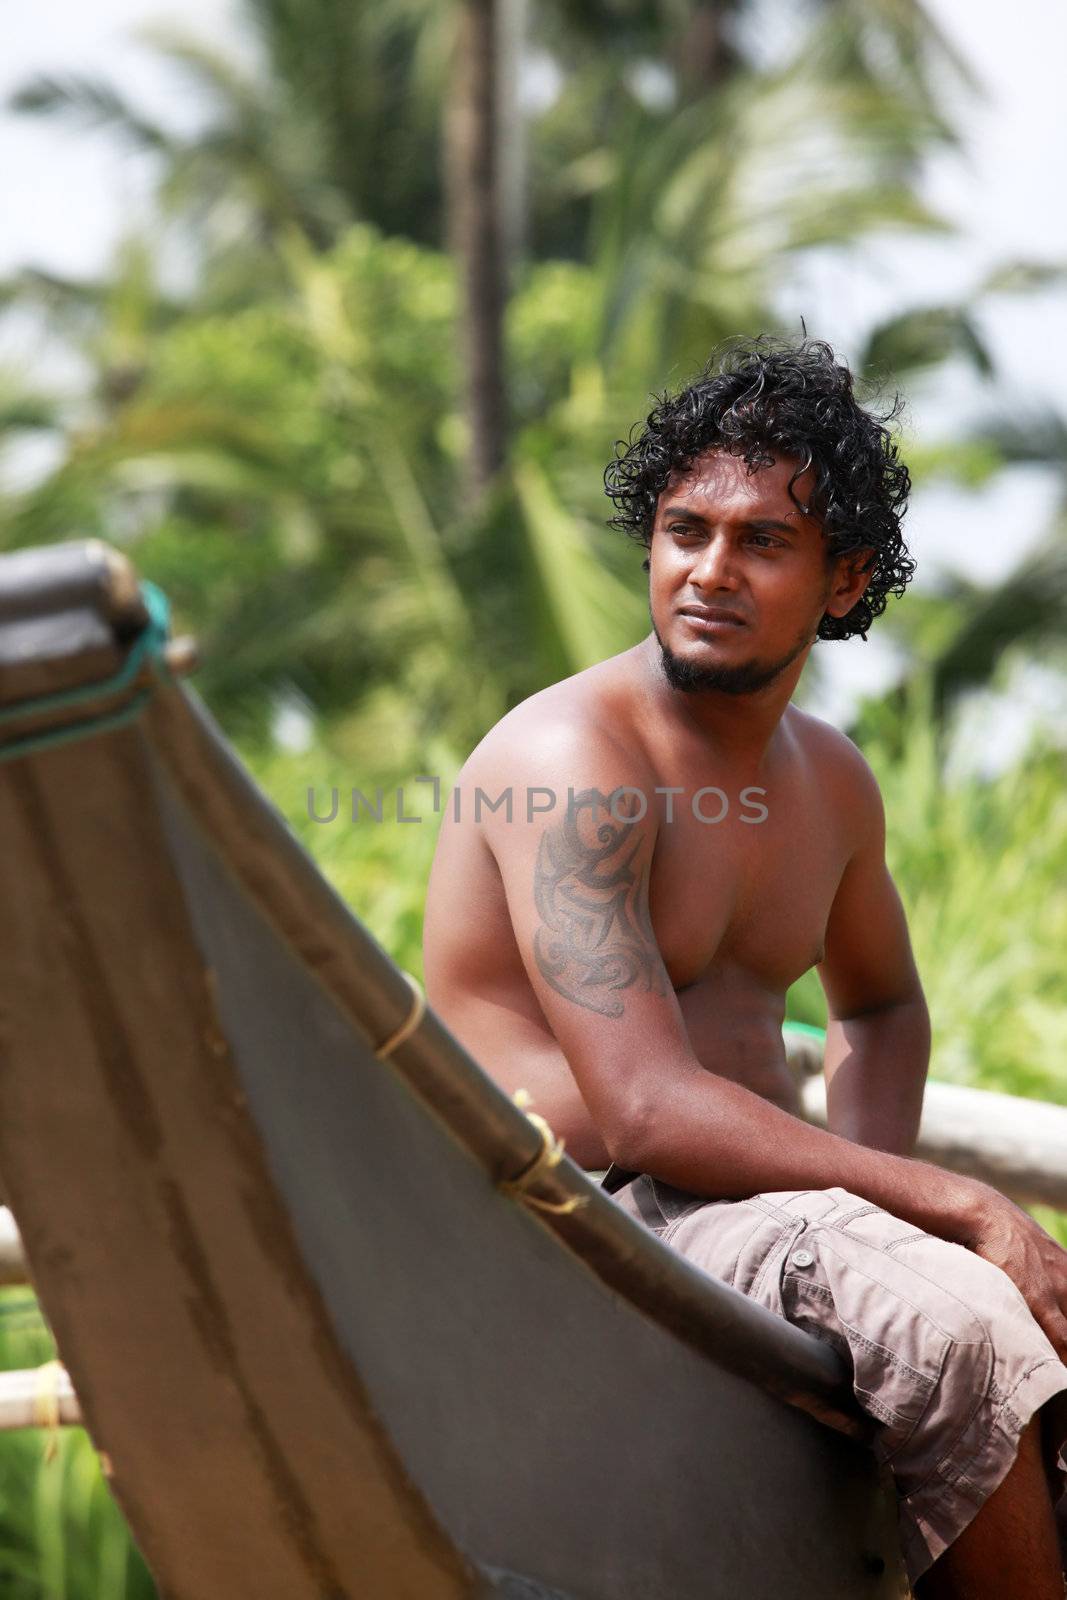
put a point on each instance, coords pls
(942, 1348)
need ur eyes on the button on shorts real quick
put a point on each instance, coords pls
(943, 1350)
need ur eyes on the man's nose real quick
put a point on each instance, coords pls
(716, 568)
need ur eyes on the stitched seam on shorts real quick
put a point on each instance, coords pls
(909, 1436)
(963, 1470)
(1006, 1399)
(951, 1485)
(1044, 1362)
(850, 1216)
(884, 1413)
(843, 1222)
(765, 1206)
(894, 1360)
(935, 1471)
(919, 1309)
(909, 1238)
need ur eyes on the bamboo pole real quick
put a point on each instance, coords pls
(12, 1257)
(38, 1397)
(1018, 1146)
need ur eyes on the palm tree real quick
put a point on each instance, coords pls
(341, 120)
(696, 206)
(342, 123)
(475, 225)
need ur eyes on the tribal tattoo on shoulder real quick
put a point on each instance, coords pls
(592, 898)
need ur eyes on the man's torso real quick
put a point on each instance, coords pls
(738, 905)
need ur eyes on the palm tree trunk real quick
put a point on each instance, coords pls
(512, 135)
(704, 59)
(475, 234)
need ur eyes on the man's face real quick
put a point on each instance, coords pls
(739, 578)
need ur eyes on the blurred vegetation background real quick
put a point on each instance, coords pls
(348, 398)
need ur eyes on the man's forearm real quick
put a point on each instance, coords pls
(875, 1067)
(713, 1137)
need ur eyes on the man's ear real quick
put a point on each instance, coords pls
(851, 575)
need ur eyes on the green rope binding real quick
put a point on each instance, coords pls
(147, 649)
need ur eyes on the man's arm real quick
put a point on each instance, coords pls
(878, 1028)
(576, 884)
(577, 894)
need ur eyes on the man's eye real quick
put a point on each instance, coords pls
(764, 541)
(682, 530)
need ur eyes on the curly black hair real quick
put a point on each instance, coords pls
(764, 398)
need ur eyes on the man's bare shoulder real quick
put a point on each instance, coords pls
(580, 720)
(838, 765)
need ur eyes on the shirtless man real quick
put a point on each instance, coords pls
(682, 843)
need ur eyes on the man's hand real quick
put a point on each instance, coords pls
(1035, 1263)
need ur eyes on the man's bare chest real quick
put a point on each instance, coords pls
(750, 892)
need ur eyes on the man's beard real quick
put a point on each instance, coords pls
(745, 678)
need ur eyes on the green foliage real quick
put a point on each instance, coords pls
(289, 473)
(1053, 1222)
(925, 338)
(981, 865)
(379, 869)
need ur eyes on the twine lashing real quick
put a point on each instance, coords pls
(410, 1022)
(548, 1156)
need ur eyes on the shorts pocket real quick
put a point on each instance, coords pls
(738, 1241)
(848, 1296)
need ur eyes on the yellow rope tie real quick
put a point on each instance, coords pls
(46, 1412)
(550, 1155)
(410, 1022)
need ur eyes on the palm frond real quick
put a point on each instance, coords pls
(91, 103)
(1030, 436)
(925, 337)
(1029, 607)
(225, 86)
(1024, 277)
(22, 410)
(587, 609)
